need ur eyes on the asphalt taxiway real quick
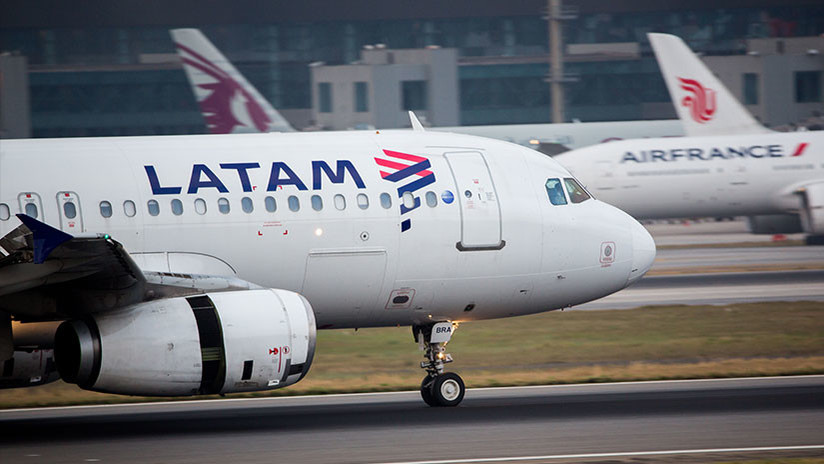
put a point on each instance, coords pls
(684, 418)
(716, 289)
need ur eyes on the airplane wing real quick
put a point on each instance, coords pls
(47, 274)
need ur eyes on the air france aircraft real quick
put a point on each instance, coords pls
(231, 105)
(184, 265)
(729, 165)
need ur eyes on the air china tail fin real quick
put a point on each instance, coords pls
(704, 105)
(228, 102)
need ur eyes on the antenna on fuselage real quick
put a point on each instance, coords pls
(416, 125)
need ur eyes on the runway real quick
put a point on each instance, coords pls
(398, 427)
(669, 260)
(716, 288)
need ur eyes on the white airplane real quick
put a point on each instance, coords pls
(228, 104)
(185, 265)
(776, 179)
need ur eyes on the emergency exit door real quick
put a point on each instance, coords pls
(68, 207)
(478, 199)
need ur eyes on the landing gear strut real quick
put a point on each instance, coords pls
(438, 388)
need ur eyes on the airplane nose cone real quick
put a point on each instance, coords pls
(643, 251)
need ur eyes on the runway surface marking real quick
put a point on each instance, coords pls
(406, 392)
(616, 455)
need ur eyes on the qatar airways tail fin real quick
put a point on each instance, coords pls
(228, 102)
(704, 105)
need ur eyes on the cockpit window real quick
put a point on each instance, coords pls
(555, 191)
(577, 194)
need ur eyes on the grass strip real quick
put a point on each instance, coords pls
(649, 343)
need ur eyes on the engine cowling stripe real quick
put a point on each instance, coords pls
(213, 357)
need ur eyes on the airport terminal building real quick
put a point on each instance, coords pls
(109, 68)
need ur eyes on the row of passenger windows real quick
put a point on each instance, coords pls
(555, 190)
(247, 205)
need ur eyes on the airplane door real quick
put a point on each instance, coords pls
(68, 208)
(480, 210)
(344, 285)
(31, 205)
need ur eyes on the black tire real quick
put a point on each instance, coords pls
(448, 389)
(814, 240)
(426, 391)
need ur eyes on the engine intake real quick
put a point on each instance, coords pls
(215, 343)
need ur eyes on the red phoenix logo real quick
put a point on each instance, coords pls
(700, 101)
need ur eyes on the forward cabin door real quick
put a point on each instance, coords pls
(68, 208)
(478, 199)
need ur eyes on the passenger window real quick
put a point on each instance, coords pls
(105, 209)
(386, 200)
(223, 205)
(200, 206)
(271, 204)
(555, 191)
(5, 213)
(154, 208)
(408, 200)
(363, 201)
(247, 205)
(31, 210)
(431, 199)
(294, 203)
(577, 194)
(177, 207)
(69, 210)
(317, 202)
(340, 202)
(129, 208)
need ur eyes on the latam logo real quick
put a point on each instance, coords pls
(411, 173)
(280, 175)
(708, 154)
(700, 101)
(228, 105)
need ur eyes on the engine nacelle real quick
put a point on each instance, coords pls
(28, 368)
(215, 343)
(774, 224)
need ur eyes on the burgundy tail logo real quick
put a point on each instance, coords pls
(228, 104)
(700, 101)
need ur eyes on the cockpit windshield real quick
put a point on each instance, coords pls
(577, 194)
(555, 190)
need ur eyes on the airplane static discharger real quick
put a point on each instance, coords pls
(182, 265)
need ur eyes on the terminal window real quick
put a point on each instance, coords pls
(325, 96)
(361, 97)
(807, 86)
(750, 88)
(414, 95)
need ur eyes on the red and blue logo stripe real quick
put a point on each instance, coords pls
(412, 172)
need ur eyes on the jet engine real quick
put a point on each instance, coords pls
(774, 224)
(27, 368)
(237, 341)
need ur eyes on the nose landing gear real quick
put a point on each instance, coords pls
(438, 388)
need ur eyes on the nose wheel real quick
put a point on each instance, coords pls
(446, 389)
(438, 388)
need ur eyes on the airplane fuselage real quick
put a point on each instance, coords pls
(374, 229)
(702, 176)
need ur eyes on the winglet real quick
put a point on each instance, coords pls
(46, 238)
(416, 125)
